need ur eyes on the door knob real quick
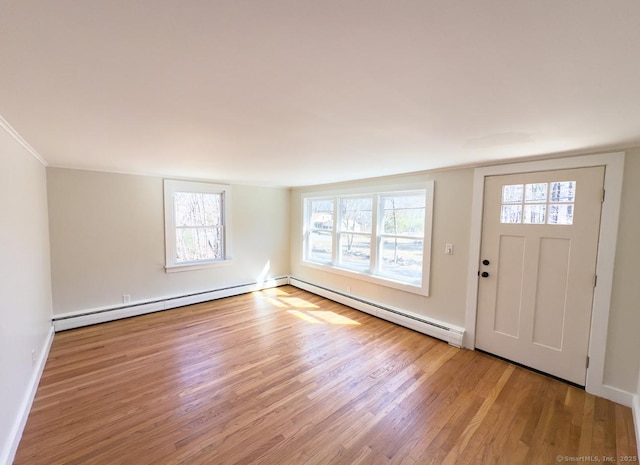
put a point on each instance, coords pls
(485, 262)
(485, 274)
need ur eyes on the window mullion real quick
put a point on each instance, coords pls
(307, 229)
(337, 217)
(374, 244)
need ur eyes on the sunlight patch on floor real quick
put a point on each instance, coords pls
(302, 309)
(297, 302)
(303, 316)
(275, 302)
(273, 291)
(333, 317)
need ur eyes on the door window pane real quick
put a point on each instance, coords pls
(560, 213)
(512, 193)
(536, 192)
(511, 214)
(534, 214)
(531, 203)
(563, 191)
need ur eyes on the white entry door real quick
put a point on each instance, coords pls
(538, 261)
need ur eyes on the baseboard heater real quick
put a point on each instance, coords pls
(440, 330)
(101, 315)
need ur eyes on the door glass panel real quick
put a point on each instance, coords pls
(563, 191)
(560, 213)
(511, 214)
(512, 193)
(534, 214)
(538, 203)
(536, 192)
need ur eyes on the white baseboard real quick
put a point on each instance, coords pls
(611, 393)
(438, 329)
(635, 409)
(93, 316)
(7, 456)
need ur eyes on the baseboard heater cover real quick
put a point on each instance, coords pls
(101, 315)
(438, 329)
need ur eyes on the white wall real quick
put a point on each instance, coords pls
(451, 222)
(623, 342)
(25, 284)
(107, 240)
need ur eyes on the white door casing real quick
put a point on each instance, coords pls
(540, 240)
(614, 164)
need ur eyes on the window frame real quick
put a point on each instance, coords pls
(171, 187)
(374, 274)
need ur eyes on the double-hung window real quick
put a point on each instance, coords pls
(354, 235)
(196, 224)
(382, 236)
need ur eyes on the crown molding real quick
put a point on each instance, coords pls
(18, 138)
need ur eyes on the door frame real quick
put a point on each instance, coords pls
(614, 170)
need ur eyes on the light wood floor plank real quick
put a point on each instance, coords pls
(286, 377)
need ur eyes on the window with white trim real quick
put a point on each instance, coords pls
(384, 237)
(196, 224)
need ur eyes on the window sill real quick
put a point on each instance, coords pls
(196, 266)
(376, 279)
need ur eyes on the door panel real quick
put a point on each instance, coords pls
(551, 296)
(509, 291)
(540, 236)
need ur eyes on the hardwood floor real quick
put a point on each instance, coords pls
(285, 377)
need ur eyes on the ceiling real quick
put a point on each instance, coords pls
(300, 92)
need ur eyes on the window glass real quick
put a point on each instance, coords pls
(196, 223)
(403, 215)
(194, 244)
(402, 258)
(355, 251)
(378, 236)
(197, 209)
(321, 214)
(320, 246)
(356, 214)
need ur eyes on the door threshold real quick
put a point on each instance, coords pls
(557, 378)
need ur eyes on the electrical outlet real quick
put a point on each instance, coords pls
(126, 298)
(33, 356)
(448, 249)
